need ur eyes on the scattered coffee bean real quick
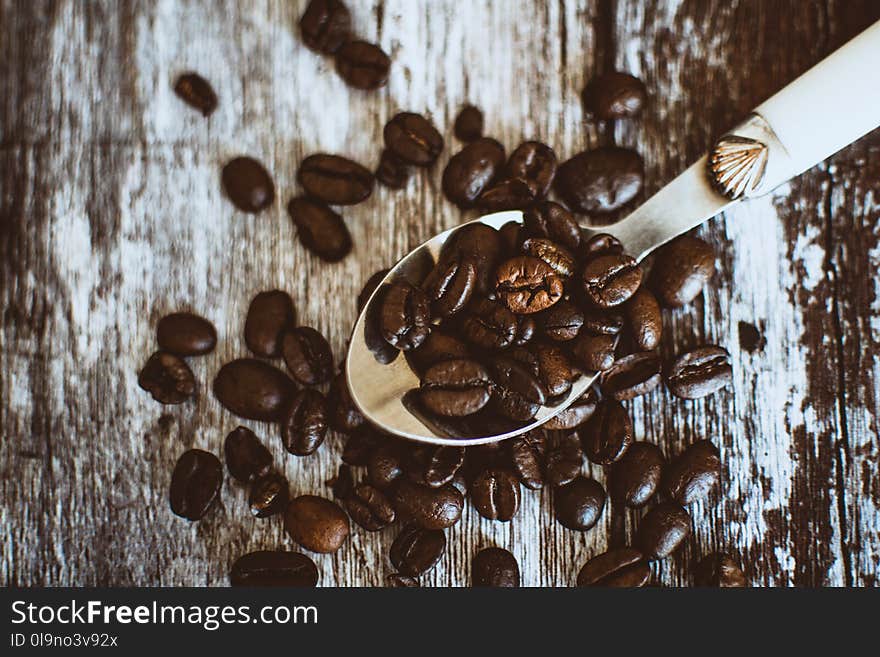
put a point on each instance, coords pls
(489, 325)
(374, 340)
(594, 353)
(750, 338)
(253, 389)
(526, 326)
(635, 477)
(274, 568)
(555, 371)
(186, 334)
(304, 423)
(528, 285)
(342, 413)
(437, 347)
(364, 440)
(246, 457)
(619, 567)
(694, 474)
(342, 484)
(600, 180)
(334, 179)
(316, 523)
(557, 257)
(632, 376)
(307, 355)
(527, 458)
(575, 415)
(248, 185)
(511, 236)
(602, 244)
(564, 459)
(681, 269)
(468, 124)
(450, 285)
(392, 171)
(699, 372)
(363, 65)
(455, 388)
(508, 194)
(429, 508)
(719, 570)
(495, 494)
(579, 504)
(385, 463)
(325, 25)
(413, 138)
(663, 530)
(614, 95)
(434, 466)
(195, 483)
(320, 229)
(551, 220)
(196, 92)
(608, 434)
(517, 394)
(610, 280)
(481, 244)
(167, 378)
(406, 316)
(416, 550)
(563, 321)
(495, 567)
(370, 508)
(472, 170)
(644, 320)
(398, 581)
(535, 164)
(269, 314)
(269, 495)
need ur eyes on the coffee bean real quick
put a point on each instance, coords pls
(468, 124)
(644, 320)
(268, 315)
(595, 353)
(511, 237)
(719, 570)
(369, 508)
(450, 285)
(472, 170)
(600, 180)
(334, 179)
(602, 244)
(304, 423)
(507, 194)
(186, 334)
(413, 138)
(599, 322)
(456, 388)
(416, 550)
(398, 581)
(246, 457)
(429, 508)
(555, 371)
(495, 567)
(489, 325)
(434, 466)
(361, 444)
(325, 25)
(437, 347)
(557, 257)
(195, 483)
(343, 414)
(248, 185)
(579, 504)
(750, 338)
(528, 285)
(535, 164)
(274, 568)
(167, 378)
(495, 494)
(663, 530)
(551, 220)
(369, 287)
(253, 389)
(316, 523)
(363, 65)
(374, 340)
(385, 463)
(479, 243)
(527, 458)
(269, 495)
(517, 393)
(635, 477)
(694, 474)
(526, 326)
(563, 321)
(563, 460)
(610, 280)
(196, 92)
(342, 484)
(681, 269)
(320, 229)
(307, 355)
(614, 95)
(392, 171)
(699, 372)
(632, 376)
(575, 415)
(608, 434)
(406, 316)
(623, 567)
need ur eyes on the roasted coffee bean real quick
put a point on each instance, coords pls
(594, 353)
(610, 280)
(369, 287)
(525, 356)
(269, 314)
(406, 316)
(325, 25)
(663, 530)
(321, 230)
(363, 65)
(246, 457)
(623, 567)
(535, 164)
(517, 393)
(392, 171)
(413, 138)
(195, 483)
(307, 355)
(269, 495)
(528, 285)
(489, 325)
(369, 508)
(495, 567)
(304, 424)
(316, 523)
(334, 179)
(456, 388)
(186, 334)
(342, 484)
(644, 320)
(681, 269)
(248, 185)
(719, 570)
(511, 237)
(416, 550)
(429, 508)
(507, 194)
(699, 372)
(437, 347)
(559, 259)
(602, 244)
(632, 376)
(694, 474)
(468, 124)
(575, 415)
(635, 477)
(495, 494)
(525, 330)
(167, 378)
(274, 568)
(385, 463)
(551, 220)
(527, 458)
(342, 413)
(555, 371)
(563, 321)
(434, 466)
(450, 285)
(472, 170)
(579, 503)
(614, 95)
(361, 444)
(479, 243)
(253, 389)
(608, 434)
(196, 92)
(563, 460)
(374, 340)
(398, 581)
(600, 180)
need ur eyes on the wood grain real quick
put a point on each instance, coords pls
(112, 215)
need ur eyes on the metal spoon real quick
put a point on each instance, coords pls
(827, 108)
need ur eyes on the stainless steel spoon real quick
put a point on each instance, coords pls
(827, 108)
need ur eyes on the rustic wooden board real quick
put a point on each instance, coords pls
(112, 215)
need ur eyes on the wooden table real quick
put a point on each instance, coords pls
(112, 215)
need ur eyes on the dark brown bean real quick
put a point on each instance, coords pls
(525, 329)
(363, 65)
(600, 180)
(269, 495)
(699, 372)
(527, 458)
(416, 550)
(479, 243)
(343, 414)
(601, 244)
(472, 170)
(385, 463)
(361, 444)
(246, 457)
(316, 523)
(535, 164)
(551, 220)
(610, 280)
(374, 340)
(608, 434)
(342, 484)
(694, 474)
(434, 466)
(468, 124)
(369, 287)
(307, 355)
(495, 494)
(253, 389)
(557, 257)
(495, 567)
(594, 353)
(429, 508)
(304, 424)
(437, 347)
(563, 460)
(575, 415)
(517, 393)
(335, 179)
(614, 95)
(619, 567)
(413, 138)
(195, 484)
(248, 185)
(507, 194)
(681, 269)
(511, 237)
(489, 325)
(455, 388)
(325, 25)
(406, 316)
(370, 508)
(632, 376)
(563, 321)
(635, 478)
(274, 568)
(528, 285)
(167, 378)
(196, 92)
(320, 229)
(555, 371)
(269, 314)
(186, 334)
(644, 320)
(579, 503)
(719, 570)
(392, 171)
(663, 530)
(450, 285)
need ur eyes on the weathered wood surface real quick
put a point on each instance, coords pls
(112, 215)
